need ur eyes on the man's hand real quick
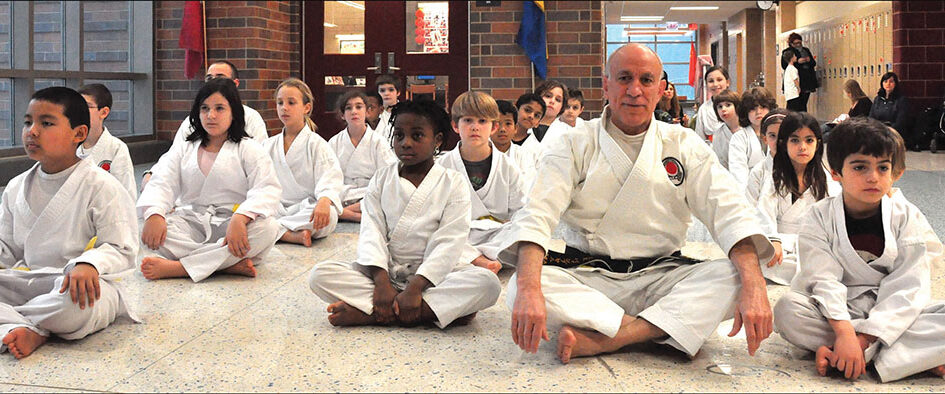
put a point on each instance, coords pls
(82, 283)
(237, 238)
(778, 254)
(155, 232)
(321, 215)
(528, 313)
(752, 309)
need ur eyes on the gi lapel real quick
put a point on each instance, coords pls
(51, 216)
(414, 208)
(478, 208)
(859, 269)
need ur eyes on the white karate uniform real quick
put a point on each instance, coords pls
(527, 164)
(889, 297)
(499, 198)
(384, 128)
(744, 151)
(720, 141)
(408, 231)
(612, 207)
(242, 180)
(756, 177)
(559, 127)
(91, 220)
(359, 163)
(111, 155)
(307, 172)
(707, 122)
(255, 127)
(782, 221)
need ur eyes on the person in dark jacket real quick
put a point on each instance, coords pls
(892, 108)
(805, 67)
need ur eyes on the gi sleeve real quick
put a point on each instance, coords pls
(738, 157)
(116, 230)
(162, 190)
(8, 249)
(264, 196)
(330, 182)
(125, 171)
(373, 235)
(820, 272)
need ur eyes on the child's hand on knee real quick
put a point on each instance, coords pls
(407, 306)
(155, 232)
(384, 296)
(778, 254)
(321, 215)
(82, 283)
(237, 238)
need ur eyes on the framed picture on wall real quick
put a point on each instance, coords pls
(351, 46)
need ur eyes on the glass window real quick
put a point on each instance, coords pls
(39, 84)
(429, 87)
(673, 49)
(337, 85)
(119, 121)
(6, 112)
(5, 26)
(106, 35)
(344, 27)
(671, 53)
(428, 27)
(685, 91)
(615, 33)
(47, 35)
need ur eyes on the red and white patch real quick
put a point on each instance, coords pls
(675, 170)
(106, 165)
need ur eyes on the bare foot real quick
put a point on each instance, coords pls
(160, 268)
(303, 237)
(350, 215)
(245, 267)
(22, 341)
(822, 360)
(463, 321)
(484, 262)
(575, 342)
(343, 314)
(939, 370)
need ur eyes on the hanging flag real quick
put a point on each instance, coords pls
(192, 38)
(531, 35)
(693, 62)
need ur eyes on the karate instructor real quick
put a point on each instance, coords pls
(624, 188)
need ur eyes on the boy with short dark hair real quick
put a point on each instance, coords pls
(389, 88)
(573, 108)
(101, 148)
(863, 292)
(374, 106)
(502, 140)
(66, 229)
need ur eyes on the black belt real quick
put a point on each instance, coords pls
(573, 258)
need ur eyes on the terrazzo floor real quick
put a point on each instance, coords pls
(272, 334)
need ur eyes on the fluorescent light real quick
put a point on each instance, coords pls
(656, 32)
(350, 37)
(697, 8)
(653, 18)
(352, 4)
(330, 24)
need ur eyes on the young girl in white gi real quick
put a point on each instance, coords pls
(707, 123)
(762, 170)
(307, 168)
(101, 148)
(746, 148)
(727, 104)
(228, 194)
(554, 94)
(523, 160)
(863, 292)
(798, 180)
(408, 269)
(360, 150)
(495, 189)
(66, 230)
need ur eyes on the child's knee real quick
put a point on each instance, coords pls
(788, 307)
(320, 277)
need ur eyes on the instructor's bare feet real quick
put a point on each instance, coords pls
(575, 342)
(22, 341)
(343, 314)
(822, 359)
(302, 237)
(939, 370)
(244, 267)
(484, 262)
(160, 268)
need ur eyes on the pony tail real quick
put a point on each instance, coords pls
(311, 124)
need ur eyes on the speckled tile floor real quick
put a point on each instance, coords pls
(271, 334)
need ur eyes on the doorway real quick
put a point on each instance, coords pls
(348, 44)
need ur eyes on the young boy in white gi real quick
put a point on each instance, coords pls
(863, 292)
(65, 229)
(101, 148)
(389, 87)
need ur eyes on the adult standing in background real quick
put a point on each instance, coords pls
(805, 67)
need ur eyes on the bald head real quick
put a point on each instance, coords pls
(632, 50)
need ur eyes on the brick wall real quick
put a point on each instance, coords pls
(919, 51)
(262, 38)
(574, 37)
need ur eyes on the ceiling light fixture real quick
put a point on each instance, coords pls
(653, 18)
(330, 24)
(696, 8)
(352, 4)
(350, 37)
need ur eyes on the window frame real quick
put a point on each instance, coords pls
(23, 74)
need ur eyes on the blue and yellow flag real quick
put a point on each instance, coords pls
(531, 35)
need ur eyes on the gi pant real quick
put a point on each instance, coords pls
(32, 300)
(920, 348)
(199, 245)
(464, 291)
(687, 301)
(297, 218)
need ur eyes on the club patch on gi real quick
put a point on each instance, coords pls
(675, 170)
(106, 165)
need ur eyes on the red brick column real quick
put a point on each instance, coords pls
(498, 66)
(919, 51)
(262, 38)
